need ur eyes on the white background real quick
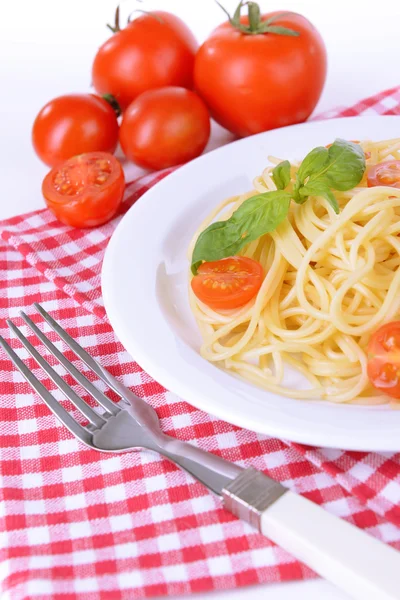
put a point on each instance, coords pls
(47, 47)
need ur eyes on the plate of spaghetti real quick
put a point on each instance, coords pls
(261, 283)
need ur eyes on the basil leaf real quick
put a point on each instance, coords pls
(281, 175)
(257, 215)
(314, 163)
(346, 165)
(340, 167)
(319, 188)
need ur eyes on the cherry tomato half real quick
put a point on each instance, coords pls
(165, 127)
(384, 359)
(74, 124)
(228, 283)
(385, 173)
(86, 190)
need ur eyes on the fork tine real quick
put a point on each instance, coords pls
(75, 428)
(100, 371)
(80, 404)
(77, 375)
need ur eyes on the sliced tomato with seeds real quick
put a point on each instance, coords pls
(86, 190)
(385, 173)
(228, 283)
(384, 359)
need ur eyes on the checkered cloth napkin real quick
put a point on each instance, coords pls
(78, 524)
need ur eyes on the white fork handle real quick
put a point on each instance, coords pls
(346, 556)
(343, 554)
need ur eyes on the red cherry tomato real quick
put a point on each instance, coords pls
(259, 81)
(164, 127)
(385, 173)
(228, 283)
(155, 50)
(74, 124)
(384, 359)
(86, 190)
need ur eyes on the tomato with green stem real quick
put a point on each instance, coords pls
(86, 190)
(155, 50)
(258, 72)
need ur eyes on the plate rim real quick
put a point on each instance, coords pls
(179, 387)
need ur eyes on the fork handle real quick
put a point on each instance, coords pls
(346, 556)
(211, 470)
(355, 562)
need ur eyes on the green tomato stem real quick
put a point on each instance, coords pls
(116, 27)
(254, 16)
(256, 25)
(113, 102)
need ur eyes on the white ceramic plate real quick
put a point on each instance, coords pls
(144, 283)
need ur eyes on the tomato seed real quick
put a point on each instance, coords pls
(388, 179)
(103, 165)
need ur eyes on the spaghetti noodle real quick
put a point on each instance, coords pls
(331, 280)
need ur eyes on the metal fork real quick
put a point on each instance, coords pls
(357, 563)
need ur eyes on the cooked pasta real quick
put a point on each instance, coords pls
(330, 281)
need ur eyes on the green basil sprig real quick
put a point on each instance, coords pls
(340, 167)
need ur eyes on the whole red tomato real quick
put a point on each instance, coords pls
(164, 127)
(74, 124)
(154, 50)
(259, 72)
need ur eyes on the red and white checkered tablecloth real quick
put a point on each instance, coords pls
(78, 524)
